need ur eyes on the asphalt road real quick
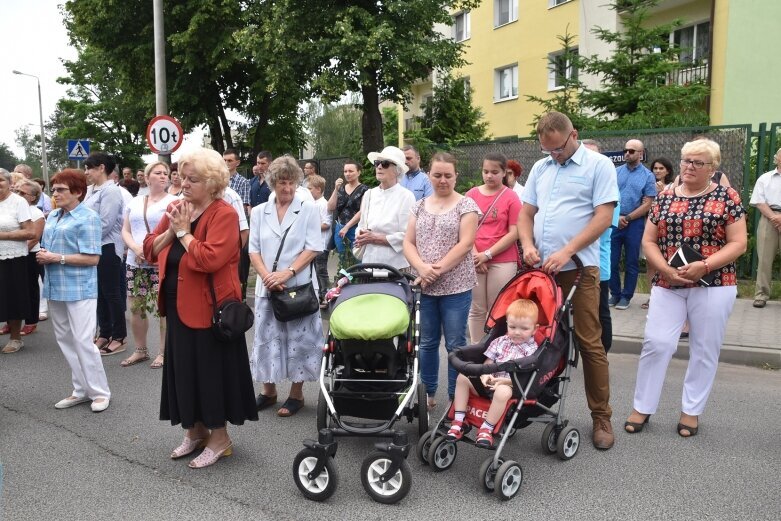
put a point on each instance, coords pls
(77, 465)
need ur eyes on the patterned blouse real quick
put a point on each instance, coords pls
(347, 205)
(701, 222)
(435, 236)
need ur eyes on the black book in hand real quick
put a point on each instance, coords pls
(686, 255)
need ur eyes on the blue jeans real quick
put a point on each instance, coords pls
(338, 241)
(441, 314)
(627, 239)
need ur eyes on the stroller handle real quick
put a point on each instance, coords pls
(464, 360)
(360, 271)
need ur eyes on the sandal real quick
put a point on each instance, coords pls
(290, 407)
(636, 426)
(456, 431)
(189, 446)
(101, 342)
(484, 439)
(209, 457)
(263, 401)
(689, 430)
(42, 317)
(106, 351)
(645, 304)
(6, 330)
(157, 363)
(27, 329)
(141, 354)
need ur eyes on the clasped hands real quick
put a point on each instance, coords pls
(491, 382)
(275, 280)
(180, 216)
(552, 265)
(684, 275)
(428, 274)
(364, 237)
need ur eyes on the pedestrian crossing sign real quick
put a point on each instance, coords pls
(78, 149)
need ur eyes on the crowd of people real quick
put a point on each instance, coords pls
(183, 244)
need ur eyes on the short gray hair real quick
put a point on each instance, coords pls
(35, 189)
(5, 173)
(284, 168)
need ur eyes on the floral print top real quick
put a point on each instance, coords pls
(435, 236)
(347, 205)
(701, 222)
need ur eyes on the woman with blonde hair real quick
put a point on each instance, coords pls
(206, 382)
(141, 217)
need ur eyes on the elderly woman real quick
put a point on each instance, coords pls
(206, 382)
(31, 191)
(385, 211)
(438, 245)
(16, 228)
(106, 199)
(709, 219)
(495, 251)
(345, 200)
(142, 215)
(70, 251)
(284, 240)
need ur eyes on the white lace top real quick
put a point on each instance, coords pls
(14, 210)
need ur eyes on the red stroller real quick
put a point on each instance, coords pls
(539, 382)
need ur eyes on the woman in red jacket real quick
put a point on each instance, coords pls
(206, 383)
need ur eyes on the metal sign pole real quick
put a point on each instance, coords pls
(161, 100)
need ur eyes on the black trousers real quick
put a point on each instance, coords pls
(244, 269)
(604, 315)
(111, 294)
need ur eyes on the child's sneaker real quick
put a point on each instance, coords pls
(456, 431)
(484, 438)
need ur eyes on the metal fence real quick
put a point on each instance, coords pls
(330, 168)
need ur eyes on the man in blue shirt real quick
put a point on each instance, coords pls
(637, 187)
(415, 180)
(259, 190)
(568, 202)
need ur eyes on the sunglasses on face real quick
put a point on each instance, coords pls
(629, 151)
(384, 163)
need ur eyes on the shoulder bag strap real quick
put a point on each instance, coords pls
(493, 203)
(146, 223)
(279, 251)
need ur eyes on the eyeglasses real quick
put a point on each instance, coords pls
(21, 193)
(558, 150)
(693, 163)
(629, 151)
(383, 163)
(60, 189)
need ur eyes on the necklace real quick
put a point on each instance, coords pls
(680, 189)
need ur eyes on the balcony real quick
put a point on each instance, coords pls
(689, 73)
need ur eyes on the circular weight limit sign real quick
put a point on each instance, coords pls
(164, 135)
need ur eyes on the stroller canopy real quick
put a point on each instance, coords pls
(370, 312)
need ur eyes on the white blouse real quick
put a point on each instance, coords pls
(386, 212)
(14, 210)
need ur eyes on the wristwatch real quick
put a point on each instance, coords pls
(488, 254)
(292, 270)
(180, 234)
(62, 260)
(628, 218)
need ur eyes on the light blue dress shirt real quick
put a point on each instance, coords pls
(634, 184)
(418, 183)
(566, 196)
(78, 231)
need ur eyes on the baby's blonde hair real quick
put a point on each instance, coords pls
(523, 308)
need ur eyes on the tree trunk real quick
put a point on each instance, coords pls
(371, 119)
(259, 141)
(226, 129)
(216, 133)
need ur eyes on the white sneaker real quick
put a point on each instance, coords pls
(13, 346)
(69, 402)
(99, 406)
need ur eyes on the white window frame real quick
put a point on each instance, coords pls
(467, 25)
(498, 74)
(556, 3)
(695, 51)
(512, 12)
(552, 69)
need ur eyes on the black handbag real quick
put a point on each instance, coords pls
(231, 319)
(294, 302)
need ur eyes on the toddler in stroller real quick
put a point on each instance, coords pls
(516, 344)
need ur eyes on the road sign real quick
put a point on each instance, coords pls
(78, 149)
(164, 135)
(618, 157)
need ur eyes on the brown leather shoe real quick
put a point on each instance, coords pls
(603, 434)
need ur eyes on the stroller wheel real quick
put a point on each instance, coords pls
(549, 438)
(422, 409)
(488, 473)
(568, 443)
(442, 454)
(322, 486)
(424, 445)
(390, 491)
(508, 480)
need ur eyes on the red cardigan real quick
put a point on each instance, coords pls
(214, 249)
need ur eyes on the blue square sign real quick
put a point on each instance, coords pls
(78, 149)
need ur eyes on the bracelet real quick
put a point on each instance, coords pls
(292, 270)
(487, 253)
(707, 268)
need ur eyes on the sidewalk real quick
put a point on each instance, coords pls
(753, 335)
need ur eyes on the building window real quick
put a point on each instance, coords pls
(561, 68)
(505, 11)
(554, 3)
(461, 26)
(693, 43)
(506, 83)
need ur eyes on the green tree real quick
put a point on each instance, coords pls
(449, 117)
(8, 159)
(31, 147)
(635, 88)
(335, 129)
(378, 49)
(390, 126)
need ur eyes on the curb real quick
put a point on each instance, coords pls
(730, 354)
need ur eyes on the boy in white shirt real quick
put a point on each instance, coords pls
(316, 186)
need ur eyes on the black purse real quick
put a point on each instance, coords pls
(231, 319)
(294, 302)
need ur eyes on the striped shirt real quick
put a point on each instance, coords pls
(78, 231)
